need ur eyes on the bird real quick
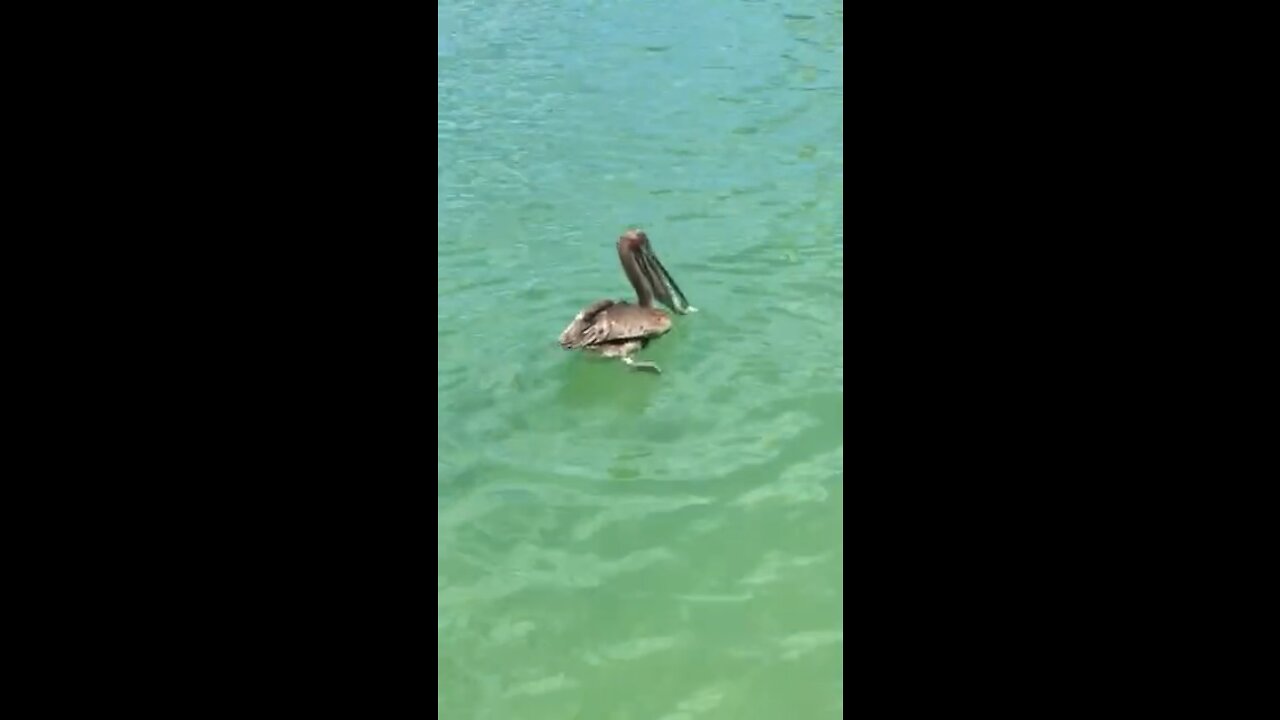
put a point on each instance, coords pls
(618, 329)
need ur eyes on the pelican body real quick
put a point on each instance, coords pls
(616, 328)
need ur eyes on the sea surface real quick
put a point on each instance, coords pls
(616, 544)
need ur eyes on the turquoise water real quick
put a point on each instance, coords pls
(615, 544)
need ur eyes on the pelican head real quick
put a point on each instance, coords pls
(647, 275)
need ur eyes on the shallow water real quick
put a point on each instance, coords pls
(615, 544)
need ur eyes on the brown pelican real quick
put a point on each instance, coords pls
(618, 328)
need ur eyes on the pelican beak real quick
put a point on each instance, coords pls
(664, 286)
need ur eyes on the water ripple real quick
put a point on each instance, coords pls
(614, 544)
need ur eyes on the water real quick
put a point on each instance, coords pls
(615, 544)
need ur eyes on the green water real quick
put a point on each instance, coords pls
(615, 544)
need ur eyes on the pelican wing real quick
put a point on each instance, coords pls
(606, 321)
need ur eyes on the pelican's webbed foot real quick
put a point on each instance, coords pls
(641, 365)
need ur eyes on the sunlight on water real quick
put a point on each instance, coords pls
(616, 544)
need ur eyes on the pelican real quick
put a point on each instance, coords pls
(616, 328)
